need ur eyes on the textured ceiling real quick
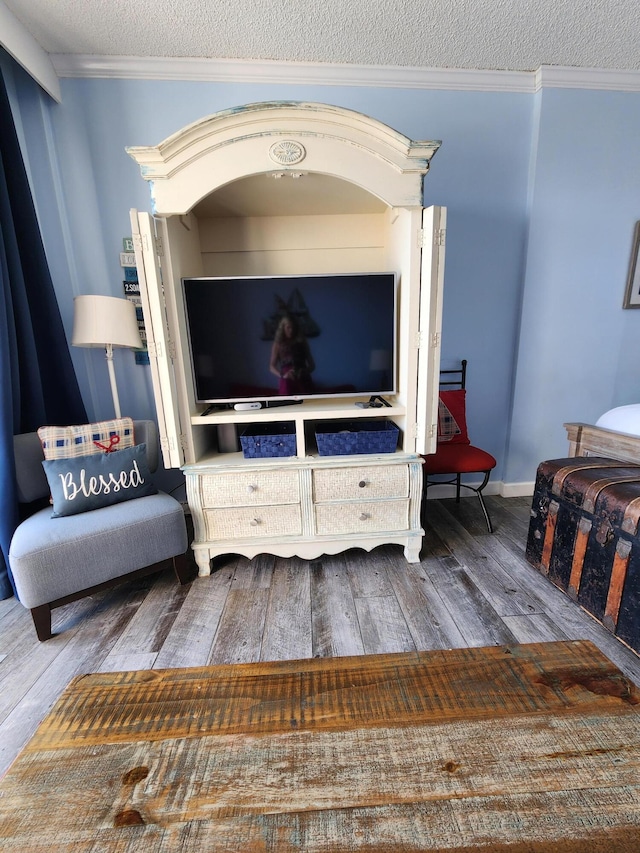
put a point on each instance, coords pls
(467, 34)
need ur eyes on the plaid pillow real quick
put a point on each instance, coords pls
(85, 439)
(452, 422)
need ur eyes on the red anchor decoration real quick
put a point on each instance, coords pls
(109, 448)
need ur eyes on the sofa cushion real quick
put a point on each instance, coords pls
(85, 439)
(98, 480)
(52, 558)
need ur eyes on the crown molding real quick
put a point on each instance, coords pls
(566, 77)
(329, 74)
(296, 73)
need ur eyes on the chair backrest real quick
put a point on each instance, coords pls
(452, 416)
(454, 378)
(30, 477)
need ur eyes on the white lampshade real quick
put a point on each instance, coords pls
(102, 320)
(106, 321)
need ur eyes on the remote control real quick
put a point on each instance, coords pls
(246, 407)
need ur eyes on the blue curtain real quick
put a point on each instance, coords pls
(38, 384)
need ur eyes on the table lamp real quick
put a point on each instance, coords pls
(106, 321)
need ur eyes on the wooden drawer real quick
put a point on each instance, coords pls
(250, 488)
(343, 484)
(252, 522)
(361, 517)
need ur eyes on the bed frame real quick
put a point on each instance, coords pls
(589, 440)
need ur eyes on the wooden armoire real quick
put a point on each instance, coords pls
(277, 189)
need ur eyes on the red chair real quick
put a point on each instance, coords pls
(455, 454)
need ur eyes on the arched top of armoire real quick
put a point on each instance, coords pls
(285, 138)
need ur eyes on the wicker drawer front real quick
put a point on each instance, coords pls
(250, 488)
(253, 522)
(362, 517)
(341, 484)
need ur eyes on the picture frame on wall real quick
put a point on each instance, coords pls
(632, 293)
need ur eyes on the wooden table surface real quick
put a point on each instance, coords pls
(520, 749)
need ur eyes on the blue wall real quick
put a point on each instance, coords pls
(542, 195)
(578, 351)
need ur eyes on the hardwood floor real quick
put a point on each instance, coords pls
(470, 589)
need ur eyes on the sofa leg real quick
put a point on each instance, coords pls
(41, 616)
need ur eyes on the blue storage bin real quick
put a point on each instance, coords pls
(262, 441)
(342, 438)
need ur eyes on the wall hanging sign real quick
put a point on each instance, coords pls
(632, 293)
(131, 288)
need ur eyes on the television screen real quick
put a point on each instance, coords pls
(291, 337)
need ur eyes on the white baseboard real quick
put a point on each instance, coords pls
(517, 490)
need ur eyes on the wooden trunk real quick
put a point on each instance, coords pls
(583, 536)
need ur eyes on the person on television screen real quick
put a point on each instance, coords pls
(291, 359)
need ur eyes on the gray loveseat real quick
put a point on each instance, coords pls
(58, 560)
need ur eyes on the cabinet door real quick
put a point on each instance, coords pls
(434, 226)
(160, 348)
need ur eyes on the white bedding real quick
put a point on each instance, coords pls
(622, 419)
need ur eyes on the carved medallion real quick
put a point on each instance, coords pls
(287, 152)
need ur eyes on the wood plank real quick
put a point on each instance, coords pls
(433, 545)
(7, 605)
(11, 614)
(254, 776)
(512, 517)
(486, 683)
(495, 577)
(147, 630)
(127, 662)
(526, 748)
(254, 574)
(489, 564)
(73, 652)
(16, 679)
(239, 635)
(468, 513)
(191, 637)
(536, 628)
(334, 618)
(530, 581)
(578, 624)
(476, 619)
(287, 630)
(428, 618)
(381, 625)
(368, 576)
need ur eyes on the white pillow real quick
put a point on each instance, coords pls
(622, 419)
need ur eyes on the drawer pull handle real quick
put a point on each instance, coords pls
(363, 483)
(364, 516)
(254, 522)
(251, 489)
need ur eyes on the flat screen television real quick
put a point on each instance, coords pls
(261, 338)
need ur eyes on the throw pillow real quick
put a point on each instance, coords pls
(84, 439)
(90, 482)
(452, 421)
